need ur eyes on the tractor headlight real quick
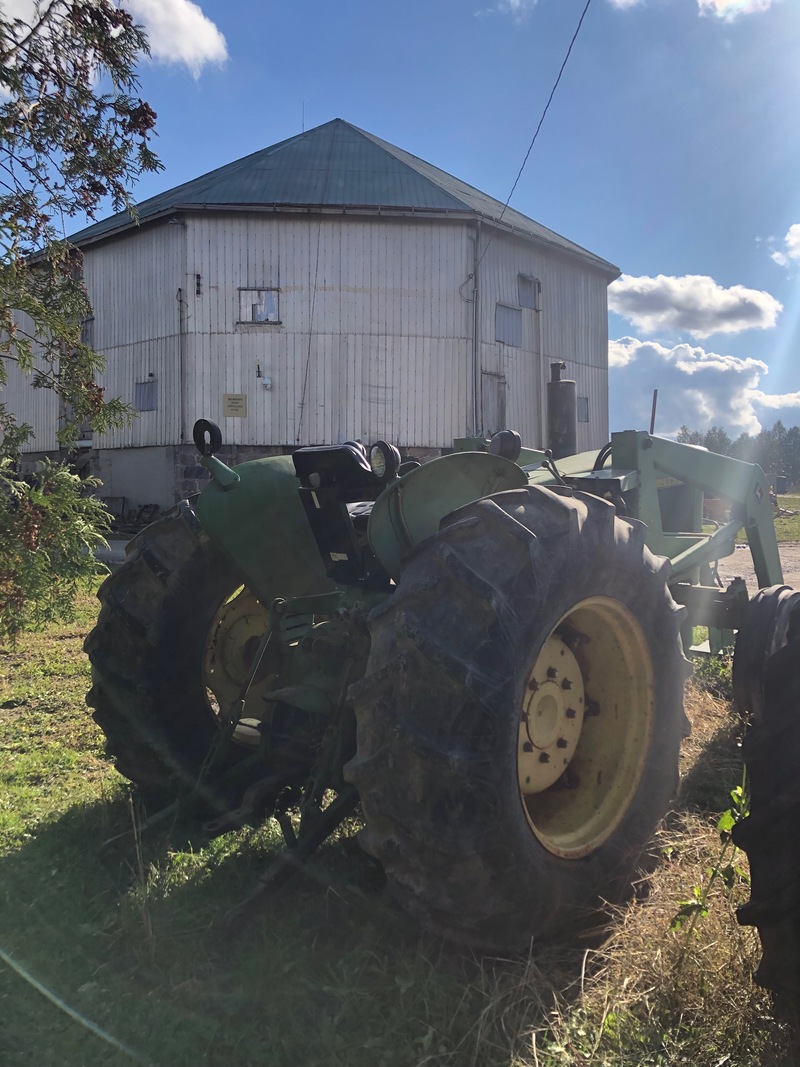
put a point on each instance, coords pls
(384, 460)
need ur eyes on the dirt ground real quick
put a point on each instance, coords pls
(740, 563)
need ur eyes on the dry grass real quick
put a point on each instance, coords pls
(652, 994)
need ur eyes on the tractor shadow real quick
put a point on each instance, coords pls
(134, 944)
(711, 757)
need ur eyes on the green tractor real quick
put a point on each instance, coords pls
(485, 652)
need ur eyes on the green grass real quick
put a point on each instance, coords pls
(131, 949)
(713, 674)
(787, 527)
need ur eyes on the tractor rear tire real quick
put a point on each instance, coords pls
(147, 653)
(770, 834)
(527, 612)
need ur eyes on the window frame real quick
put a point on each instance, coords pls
(140, 389)
(518, 313)
(259, 289)
(536, 291)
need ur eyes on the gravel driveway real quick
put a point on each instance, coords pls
(741, 563)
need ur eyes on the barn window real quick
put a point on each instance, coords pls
(529, 291)
(145, 395)
(508, 325)
(87, 332)
(258, 305)
(583, 409)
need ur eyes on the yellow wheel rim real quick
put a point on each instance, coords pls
(586, 721)
(230, 650)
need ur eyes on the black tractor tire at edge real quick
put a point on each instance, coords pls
(147, 650)
(438, 715)
(770, 834)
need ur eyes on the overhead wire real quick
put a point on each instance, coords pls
(536, 131)
(488, 243)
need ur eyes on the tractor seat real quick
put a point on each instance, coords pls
(359, 514)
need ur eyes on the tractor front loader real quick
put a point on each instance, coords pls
(485, 652)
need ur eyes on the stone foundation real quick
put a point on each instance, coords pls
(135, 477)
(191, 478)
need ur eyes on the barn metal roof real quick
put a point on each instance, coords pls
(335, 165)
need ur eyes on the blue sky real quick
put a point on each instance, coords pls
(671, 149)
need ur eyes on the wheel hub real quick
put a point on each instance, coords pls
(586, 718)
(552, 717)
(231, 647)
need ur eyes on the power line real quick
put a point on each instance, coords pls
(546, 106)
(538, 127)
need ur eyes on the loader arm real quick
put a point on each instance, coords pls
(660, 462)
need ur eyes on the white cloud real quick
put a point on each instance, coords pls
(728, 10)
(519, 10)
(18, 9)
(696, 388)
(791, 248)
(777, 400)
(625, 351)
(179, 32)
(693, 304)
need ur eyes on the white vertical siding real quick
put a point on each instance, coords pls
(572, 326)
(133, 284)
(38, 408)
(374, 338)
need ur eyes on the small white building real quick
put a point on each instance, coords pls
(327, 288)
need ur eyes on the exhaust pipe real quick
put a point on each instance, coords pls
(562, 413)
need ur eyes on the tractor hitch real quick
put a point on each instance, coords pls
(723, 609)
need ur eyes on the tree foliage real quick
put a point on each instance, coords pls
(49, 530)
(74, 136)
(775, 450)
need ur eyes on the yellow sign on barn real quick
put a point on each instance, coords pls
(234, 405)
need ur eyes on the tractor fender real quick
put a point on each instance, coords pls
(411, 508)
(259, 523)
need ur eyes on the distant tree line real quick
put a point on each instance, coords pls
(776, 451)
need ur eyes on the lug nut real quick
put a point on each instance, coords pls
(543, 757)
(571, 713)
(561, 743)
(566, 683)
(551, 672)
(533, 685)
(527, 747)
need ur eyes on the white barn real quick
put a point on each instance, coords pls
(329, 287)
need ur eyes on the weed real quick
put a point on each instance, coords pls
(714, 675)
(724, 869)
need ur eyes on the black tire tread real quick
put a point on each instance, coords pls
(770, 835)
(146, 693)
(443, 653)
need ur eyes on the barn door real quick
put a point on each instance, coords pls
(493, 402)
